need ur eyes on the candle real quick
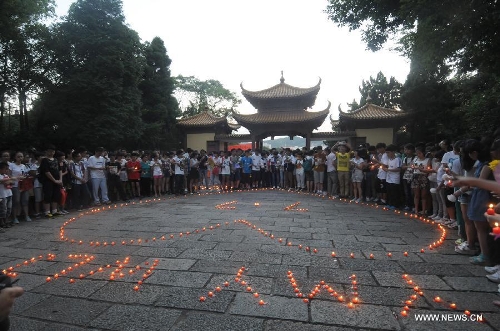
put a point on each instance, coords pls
(496, 229)
(490, 210)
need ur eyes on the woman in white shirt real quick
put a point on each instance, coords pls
(20, 196)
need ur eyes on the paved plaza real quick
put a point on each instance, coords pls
(255, 260)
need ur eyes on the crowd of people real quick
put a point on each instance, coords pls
(414, 177)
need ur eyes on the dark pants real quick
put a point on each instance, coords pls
(145, 186)
(115, 186)
(408, 193)
(179, 184)
(80, 195)
(392, 194)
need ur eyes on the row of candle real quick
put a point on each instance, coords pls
(293, 207)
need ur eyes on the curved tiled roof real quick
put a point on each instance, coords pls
(205, 118)
(280, 91)
(371, 111)
(282, 117)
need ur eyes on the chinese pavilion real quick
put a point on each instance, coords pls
(282, 111)
(199, 131)
(371, 123)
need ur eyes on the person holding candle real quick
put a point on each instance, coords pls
(134, 174)
(420, 182)
(479, 199)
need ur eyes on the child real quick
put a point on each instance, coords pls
(5, 196)
(393, 178)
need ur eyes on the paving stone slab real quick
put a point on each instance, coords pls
(476, 284)
(189, 298)
(217, 322)
(279, 325)
(82, 288)
(202, 254)
(275, 270)
(365, 264)
(123, 292)
(159, 252)
(120, 317)
(179, 278)
(27, 300)
(23, 324)
(67, 310)
(256, 257)
(434, 269)
(175, 264)
(424, 281)
(368, 316)
(275, 307)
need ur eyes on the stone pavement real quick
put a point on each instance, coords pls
(159, 280)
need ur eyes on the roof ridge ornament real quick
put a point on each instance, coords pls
(368, 99)
(282, 79)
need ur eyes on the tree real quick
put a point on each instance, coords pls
(197, 95)
(159, 106)
(97, 99)
(452, 45)
(381, 92)
(24, 54)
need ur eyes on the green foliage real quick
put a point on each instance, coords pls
(159, 106)
(99, 60)
(24, 55)
(453, 45)
(381, 92)
(197, 95)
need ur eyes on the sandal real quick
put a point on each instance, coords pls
(480, 260)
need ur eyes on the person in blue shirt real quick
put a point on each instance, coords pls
(246, 163)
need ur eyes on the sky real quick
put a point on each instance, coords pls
(236, 41)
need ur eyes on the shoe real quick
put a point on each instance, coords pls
(452, 225)
(38, 216)
(97, 204)
(494, 277)
(64, 211)
(28, 219)
(2, 230)
(480, 260)
(492, 269)
(58, 213)
(48, 215)
(368, 199)
(391, 207)
(358, 200)
(432, 216)
(407, 208)
(459, 241)
(447, 221)
(437, 217)
(15, 221)
(464, 249)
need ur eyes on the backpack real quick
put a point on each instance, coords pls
(308, 164)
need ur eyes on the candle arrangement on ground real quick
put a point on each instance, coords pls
(121, 271)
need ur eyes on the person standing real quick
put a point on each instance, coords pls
(51, 176)
(97, 168)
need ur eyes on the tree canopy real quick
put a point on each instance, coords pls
(454, 77)
(197, 95)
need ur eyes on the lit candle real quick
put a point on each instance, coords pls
(490, 210)
(496, 229)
